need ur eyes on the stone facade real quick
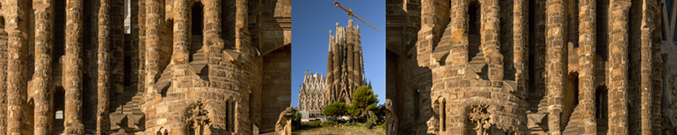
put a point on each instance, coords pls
(311, 96)
(144, 66)
(345, 65)
(528, 67)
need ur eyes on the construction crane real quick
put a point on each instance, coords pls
(350, 13)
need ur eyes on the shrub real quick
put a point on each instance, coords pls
(382, 126)
(335, 109)
(312, 124)
(347, 124)
(368, 124)
(328, 123)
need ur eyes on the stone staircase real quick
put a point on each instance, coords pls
(128, 117)
(198, 60)
(573, 126)
(165, 80)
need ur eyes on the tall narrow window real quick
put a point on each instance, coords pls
(232, 116)
(474, 27)
(228, 115)
(443, 111)
(196, 19)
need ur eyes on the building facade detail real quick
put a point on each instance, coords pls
(76, 69)
(345, 65)
(529, 67)
(312, 97)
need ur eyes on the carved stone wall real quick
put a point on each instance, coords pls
(311, 96)
(526, 67)
(182, 66)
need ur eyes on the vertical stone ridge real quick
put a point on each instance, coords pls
(647, 66)
(459, 19)
(44, 18)
(654, 25)
(520, 47)
(103, 68)
(154, 21)
(246, 51)
(618, 60)
(490, 40)
(182, 29)
(3, 78)
(555, 62)
(141, 22)
(587, 52)
(241, 25)
(212, 26)
(74, 66)
(16, 64)
(117, 56)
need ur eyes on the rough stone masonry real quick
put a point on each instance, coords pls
(529, 67)
(144, 66)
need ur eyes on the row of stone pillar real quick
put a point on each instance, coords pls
(73, 66)
(618, 62)
(556, 57)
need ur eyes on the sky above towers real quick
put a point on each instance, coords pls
(311, 39)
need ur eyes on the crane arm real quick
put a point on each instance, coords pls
(372, 26)
(350, 13)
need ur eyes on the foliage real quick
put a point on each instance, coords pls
(335, 109)
(296, 121)
(364, 99)
(373, 118)
(347, 124)
(383, 125)
(368, 124)
(352, 111)
(298, 116)
(312, 124)
(328, 123)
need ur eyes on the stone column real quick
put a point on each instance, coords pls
(655, 38)
(212, 24)
(520, 45)
(141, 22)
(182, 33)
(3, 78)
(647, 65)
(490, 43)
(16, 64)
(330, 71)
(618, 60)
(587, 52)
(43, 111)
(104, 67)
(241, 29)
(154, 21)
(459, 31)
(73, 66)
(555, 62)
(350, 59)
(336, 73)
(117, 50)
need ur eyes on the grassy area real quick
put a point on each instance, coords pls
(340, 130)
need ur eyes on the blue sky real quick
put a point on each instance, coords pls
(311, 22)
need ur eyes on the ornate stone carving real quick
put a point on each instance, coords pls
(197, 119)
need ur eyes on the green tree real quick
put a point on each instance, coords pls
(335, 109)
(364, 100)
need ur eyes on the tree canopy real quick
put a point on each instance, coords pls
(335, 109)
(364, 100)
